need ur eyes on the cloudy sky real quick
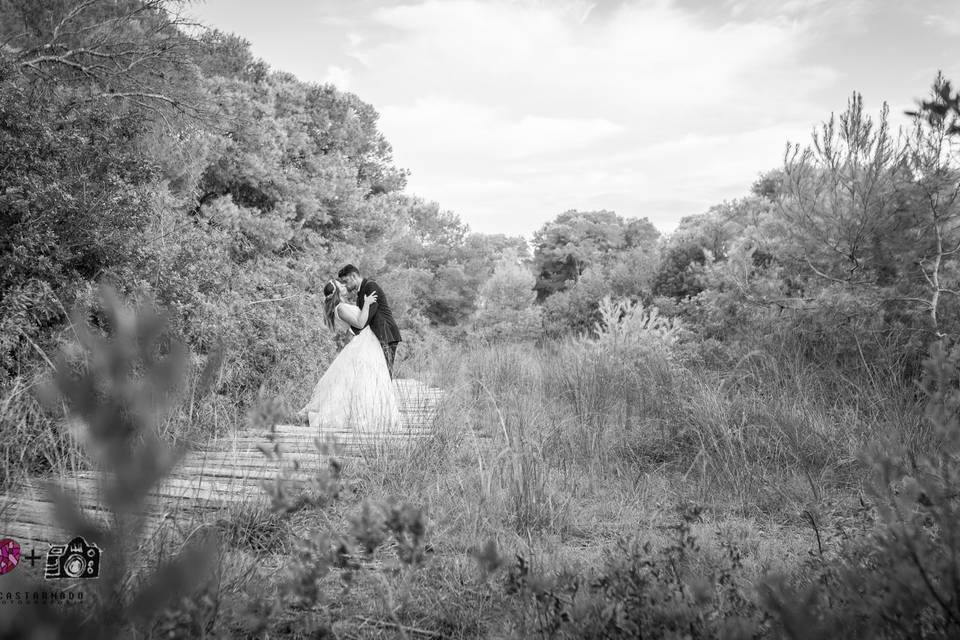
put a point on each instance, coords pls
(509, 112)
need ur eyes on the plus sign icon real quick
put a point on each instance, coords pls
(32, 557)
(9, 555)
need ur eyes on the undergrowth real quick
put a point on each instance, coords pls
(380, 543)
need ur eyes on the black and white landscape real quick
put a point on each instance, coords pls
(667, 294)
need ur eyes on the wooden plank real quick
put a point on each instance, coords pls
(35, 537)
(190, 474)
(228, 468)
(254, 459)
(313, 457)
(303, 445)
(171, 492)
(252, 468)
(198, 487)
(236, 476)
(40, 536)
(229, 471)
(170, 496)
(308, 434)
(303, 434)
(307, 431)
(29, 511)
(183, 482)
(214, 469)
(154, 505)
(250, 458)
(40, 510)
(308, 442)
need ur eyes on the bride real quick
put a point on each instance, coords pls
(356, 392)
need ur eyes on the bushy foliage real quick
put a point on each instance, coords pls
(873, 212)
(678, 275)
(623, 321)
(506, 300)
(180, 167)
(615, 388)
(899, 581)
(575, 309)
(74, 204)
(580, 257)
(845, 256)
(641, 590)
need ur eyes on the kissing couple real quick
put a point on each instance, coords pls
(356, 393)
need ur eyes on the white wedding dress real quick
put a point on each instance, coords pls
(355, 393)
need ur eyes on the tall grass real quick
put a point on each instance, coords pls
(533, 446)
(36, 435)
(901, 581)
(32, 441)
(761, 434)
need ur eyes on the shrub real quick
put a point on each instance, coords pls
(617, 392)
(901, 581)
(507, 311)
(641, 590)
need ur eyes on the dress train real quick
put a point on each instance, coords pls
(356, 392)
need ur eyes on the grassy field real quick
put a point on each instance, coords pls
(605, 461)
(608, 487)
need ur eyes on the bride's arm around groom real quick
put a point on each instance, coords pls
(357, 318)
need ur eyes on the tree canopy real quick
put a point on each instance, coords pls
(175, 164)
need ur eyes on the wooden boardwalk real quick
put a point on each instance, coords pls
(227, 472)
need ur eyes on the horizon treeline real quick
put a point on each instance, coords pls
(170, 162)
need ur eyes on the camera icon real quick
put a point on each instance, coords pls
(76, 559)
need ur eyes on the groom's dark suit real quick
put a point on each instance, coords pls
(380, 320)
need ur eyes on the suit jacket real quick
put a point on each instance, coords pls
(380, 319)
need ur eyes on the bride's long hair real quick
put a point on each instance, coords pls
(331, 298)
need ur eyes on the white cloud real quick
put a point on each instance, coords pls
(447, 128)
(642, 61)
(339, 76)
(945, 22)
(510, 111)
(505, 111)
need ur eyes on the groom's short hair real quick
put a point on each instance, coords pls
(347, 270)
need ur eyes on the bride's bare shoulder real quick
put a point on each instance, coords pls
(347, 311)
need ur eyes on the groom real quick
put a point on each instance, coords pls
(380, 318)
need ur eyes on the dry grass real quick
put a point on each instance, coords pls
(558, 478)
(559, 456)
